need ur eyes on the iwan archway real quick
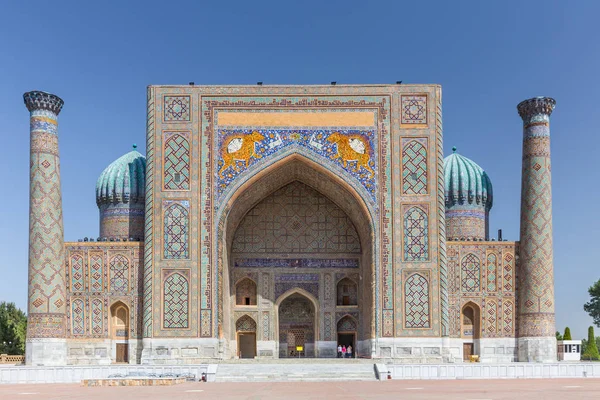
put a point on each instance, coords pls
(296, 230)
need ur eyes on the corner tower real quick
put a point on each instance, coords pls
(45, 344)
(469, 198)
(120, 196)
(536, 325)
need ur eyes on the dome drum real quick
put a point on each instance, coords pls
(122, 221)
(464, 223)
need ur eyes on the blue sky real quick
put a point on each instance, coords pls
(488, 56)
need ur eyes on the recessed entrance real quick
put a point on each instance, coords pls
(246, 337)
(347, 339)
(467, 351)
(347, 329)
(120, 332)
(470, 329)
(288, 237)
(247, 343)
(296, 327)
(122, 353)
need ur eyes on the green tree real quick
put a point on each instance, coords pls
(584, 344)
(592, 307)
(558, 336)
(567, 335)
(13, 327)
(591, 348)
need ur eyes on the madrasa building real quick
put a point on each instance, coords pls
(278, 221)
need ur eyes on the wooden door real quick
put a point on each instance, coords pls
(247, 343)
(122, 353)
(467, 351)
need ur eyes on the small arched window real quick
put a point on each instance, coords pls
(245, 292)
(347, 293)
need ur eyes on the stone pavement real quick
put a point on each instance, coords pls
(509, 389)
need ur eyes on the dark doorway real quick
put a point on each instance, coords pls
(247, 345)
(467, 351)
(122, 353)
(347, 339)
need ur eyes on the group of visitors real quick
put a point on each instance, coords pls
(344, 352)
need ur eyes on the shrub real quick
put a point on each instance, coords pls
(591, 349)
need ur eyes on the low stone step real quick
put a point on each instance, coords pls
(294, 372)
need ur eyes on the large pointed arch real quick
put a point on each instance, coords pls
(251, 189)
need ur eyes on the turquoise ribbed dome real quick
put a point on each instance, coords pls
(123, 181)
(466, 183)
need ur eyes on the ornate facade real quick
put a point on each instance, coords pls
(279, 221)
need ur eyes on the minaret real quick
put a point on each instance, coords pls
(535, 316)
(46, 343)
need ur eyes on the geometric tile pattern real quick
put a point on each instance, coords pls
(508, 318)
(97, 317)
(176, 302)
(245, 324)
(536, 275)
(119, 274)
(78, 317)
(122, 284)
(176, 162)
(414, 167)
(219, 139)
(414, 110)
(176, 231)
(150, 225)
(491, 295)
(470, 273)
(77, 276)
(47, 286)
(442, 263)
(416, 302)
(265, 325)
(491, 317)
(296, 219)
(416, 235)
(96, 272)
(508, 272)
(347, 324)
(327, 326)
(176, 108)
(492, 266)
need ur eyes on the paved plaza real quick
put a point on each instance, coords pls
(539, 389)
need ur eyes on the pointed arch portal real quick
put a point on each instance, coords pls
(289, 246)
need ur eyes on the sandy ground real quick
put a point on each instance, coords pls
(531, 389)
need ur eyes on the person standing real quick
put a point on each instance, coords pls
(344, 351)
(349, 352)
(339, 351)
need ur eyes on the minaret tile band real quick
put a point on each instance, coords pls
(536, 286)
(47, 292)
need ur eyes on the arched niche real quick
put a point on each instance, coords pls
(297, 323)
(255, 188)
(119, 328)
(347, 292)
(245, 292)
(470, 322)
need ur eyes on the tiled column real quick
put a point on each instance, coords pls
(46, 320)
(536, 326)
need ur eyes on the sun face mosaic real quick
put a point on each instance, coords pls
(353, 150)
